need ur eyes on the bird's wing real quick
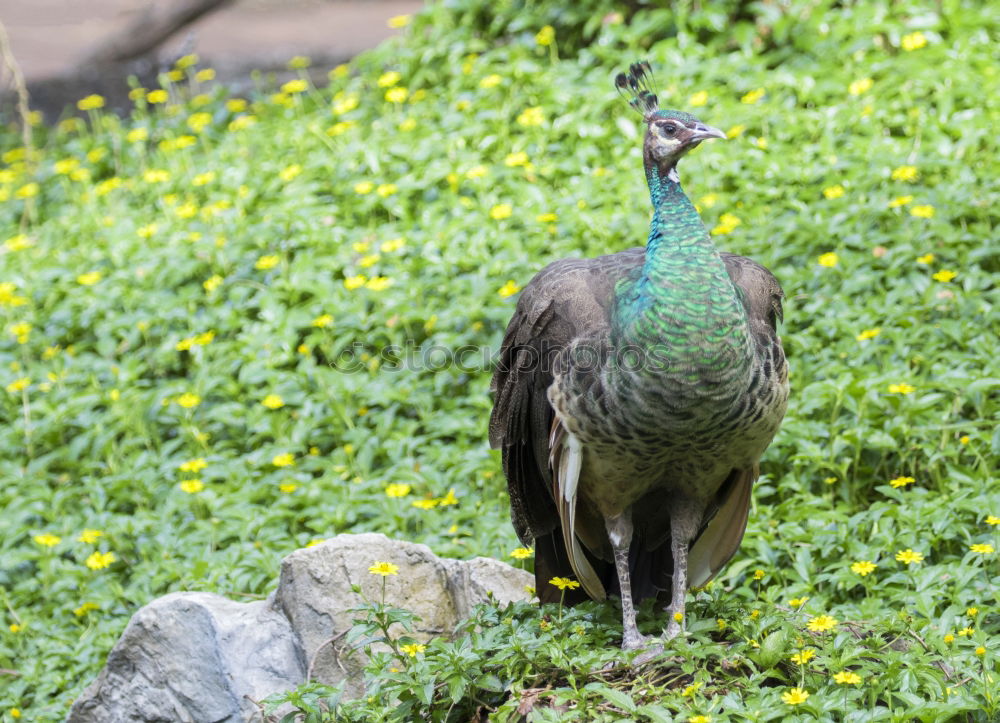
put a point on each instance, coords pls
(568, 299)
(722, 530)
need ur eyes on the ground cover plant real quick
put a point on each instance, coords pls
(231, 327)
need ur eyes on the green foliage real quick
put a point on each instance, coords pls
(163, 275)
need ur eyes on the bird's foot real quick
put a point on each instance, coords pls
(633, 640)
(649, 646)
(672, 631)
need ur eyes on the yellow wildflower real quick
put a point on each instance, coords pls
(797, 602)
(398, 21)
(944, 275)
(829, 259)
(913, 41)
(727, 223)
(501, 211)
(88, 536)
(564, 583)
(846, 677)
(531, 116)
(193, 465)
(389, 79)
(698, 99)
(905, 173)
(47, 539)
(273, 401)
(509, 289)
(89, 279)
(863, 567)
(289, 172)
(85, 608)
(379, 283)
(28, 190)
(982, 549)
(212, 283)
(900, 201)
(992, 520)
(753, 96)
(490, 81)
(157, 96)
(188, 400)
(545, 36)
(901, 481)
(267, 262)
(100, 560)
(355, 282)
(521, 553)
(397, 489)
(909, 557)
(286, 459)
(386, 189)
(192, 486)
(949, 639)
(736, 131)
(832, 192)
(449, 499)
(396, 95)
(364, 187)
(822, 623)
(925, 259)
(803, 656)
(869, 334)
(91, 102)
(322, 321)
(901, 388)
(384, 569)
(795, 696)
(297, 85)
(516, 159)
(860, 86)
(922, 211)
(424, 504)
(412, 649)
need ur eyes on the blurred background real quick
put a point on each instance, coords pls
(67, 49)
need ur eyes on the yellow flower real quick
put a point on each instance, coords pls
(286, 488)
(397, 489)
(564, 583)
(449, 499)
(204, 75)
(909, 557)
(869, 334)
(66, 166)
(679, 617)
(822, 623)
(521, 553)
(100, 560)
(795, 696)
(509, 289)
(923, 211)
(91, 102)
(85, 608)
(409, 124)
(192, 486)
(28, 190)
(19, 385)
(727, 223)
(753, 96)
(157, 96)
(698, 99)
(905, 173)
(289, 172)
(901, 481)
(147, 231)
(412, 649)
(186, 61)
(240, 122)
(516, 159)
(913, 41)
(531, 116)
(389, 79)
(966, 632)
(344, 103)
(424, 504)
(501, 211)
(188, 400)
(949, 639)
(398, 21)
(15, 628)
(20, 242)
(758, 574)
(378, 283)
(198, 121)
(736, 131)
(901, 388)
(828, 259)
(193, 465)
(21, 330)
(863, 567)
(267, 262)
(700, 719)
(394, 244)
(364, 187)
(900, 201)
(860, 86)
(47, 539)
(384, 569)
(236, 105)
(972, 612)
(156, 175)
(982, 549)
(355, 282)
(797, 602)
(322, 321)
(386, 189)
(295, 86)
(980, 650)
(490, 81)
(89, 279)
(846, 677)
(286, 459)
(338, 129)
(925, 259)
(88, 536)
(545, 36)
(690, 690)
(547, 217)
(832, 192)
(992, 520)
(803, 657)
(396, 95)
(944, 275)
(273, 401)
(212, 283)
(203, 179)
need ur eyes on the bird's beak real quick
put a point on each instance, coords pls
(702, 132)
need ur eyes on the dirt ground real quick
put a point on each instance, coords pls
(48, 37)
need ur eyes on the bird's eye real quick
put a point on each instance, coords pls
(668, 129)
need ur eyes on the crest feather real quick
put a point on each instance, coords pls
(636, 86)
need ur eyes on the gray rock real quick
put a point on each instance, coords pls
(200, 657)
(194, 657)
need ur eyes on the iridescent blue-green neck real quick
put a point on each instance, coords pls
(683, 301)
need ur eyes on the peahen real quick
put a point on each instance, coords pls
(635, 394)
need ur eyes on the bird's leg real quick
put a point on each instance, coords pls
(619, 530)
(681, 534)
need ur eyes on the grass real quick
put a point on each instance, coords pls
(217, 317)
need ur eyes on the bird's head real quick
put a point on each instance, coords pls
(669, 133)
